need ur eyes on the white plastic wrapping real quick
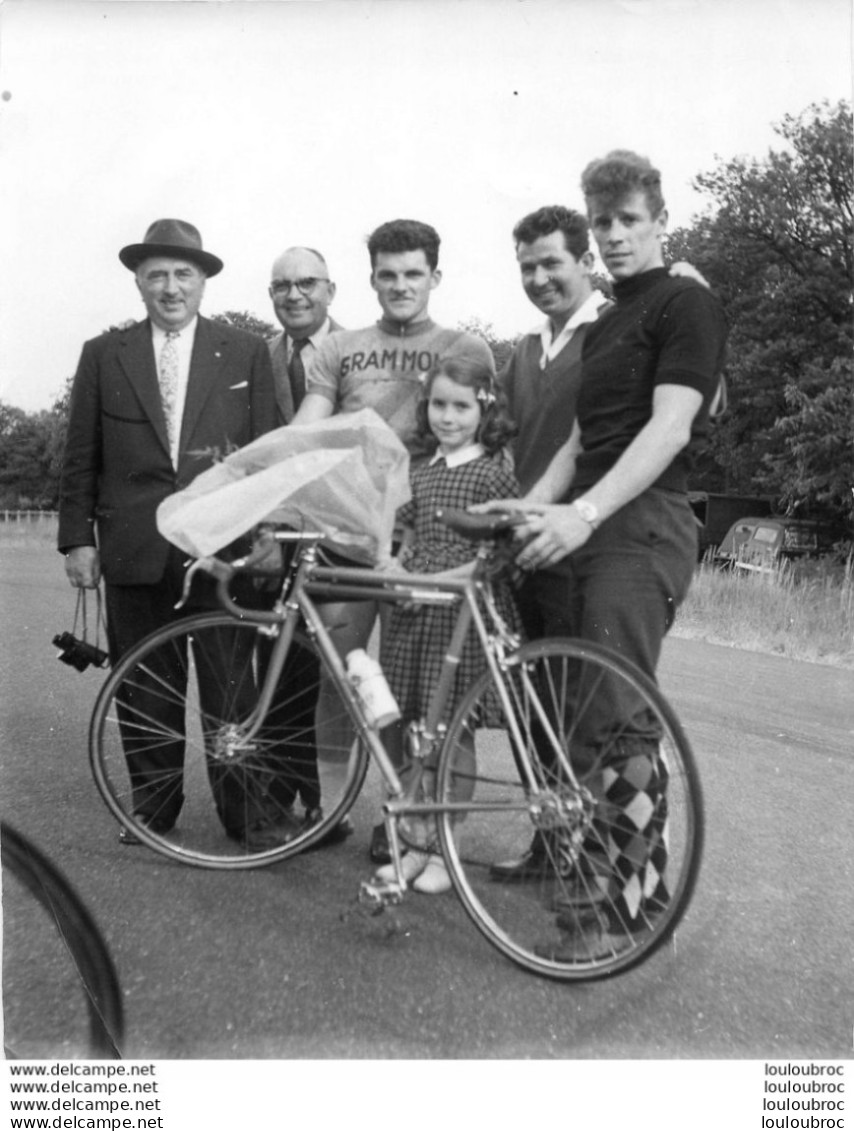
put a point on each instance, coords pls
(345, 476)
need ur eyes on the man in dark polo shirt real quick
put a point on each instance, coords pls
(616, 560)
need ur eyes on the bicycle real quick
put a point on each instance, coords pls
(84, 944)
(526, 718)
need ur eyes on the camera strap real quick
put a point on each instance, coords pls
(80, 617)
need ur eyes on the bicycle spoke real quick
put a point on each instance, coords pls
(610, 847)
(180, 756)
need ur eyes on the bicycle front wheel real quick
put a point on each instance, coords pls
(576, 829)
(179, 763)
(71, 961)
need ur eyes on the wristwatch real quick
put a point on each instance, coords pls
(588, 511)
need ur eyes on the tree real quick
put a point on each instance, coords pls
(501, 347)
(244, 320)
(29, 476)
(777, 244)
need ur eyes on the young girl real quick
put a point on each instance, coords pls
(461, 416)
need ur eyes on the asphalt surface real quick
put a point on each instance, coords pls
(276, 963)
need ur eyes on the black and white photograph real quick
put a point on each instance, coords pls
(426, 562)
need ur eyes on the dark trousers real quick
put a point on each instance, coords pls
(622, 589)
(290, 729)
(228, 688)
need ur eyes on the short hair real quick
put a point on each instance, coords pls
(619, 174)
(405, 235)
(495, 429)
(301, 247)
(555, 218)
(311, 250)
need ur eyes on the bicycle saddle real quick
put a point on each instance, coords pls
(480, 527)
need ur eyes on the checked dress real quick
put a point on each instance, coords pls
(416, 639)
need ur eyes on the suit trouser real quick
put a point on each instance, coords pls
(156, 771)
(621, 589)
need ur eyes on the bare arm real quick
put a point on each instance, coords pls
(313, 408)
(552, 484)
(557, 530)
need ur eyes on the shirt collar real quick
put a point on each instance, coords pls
(460, 456)
(188, 333)
(587, 312)
(316, 338)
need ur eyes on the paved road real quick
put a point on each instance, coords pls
(262, 965)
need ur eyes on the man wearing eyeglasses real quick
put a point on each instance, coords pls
(301, 291)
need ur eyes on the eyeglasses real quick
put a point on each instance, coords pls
(304, 286)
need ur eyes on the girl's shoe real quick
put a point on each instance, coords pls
(412, 864)
(434, 878)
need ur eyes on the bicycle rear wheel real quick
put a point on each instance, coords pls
(602, 803)
(172, 758)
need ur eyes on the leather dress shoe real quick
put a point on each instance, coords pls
(263, 836)
(128, 836)
(379, 852)
(336, 835)
(531, 865)
(584, 936)
(572, 918)
(579, 891)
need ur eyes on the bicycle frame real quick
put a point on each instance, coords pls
(306, 580)
(491, 780)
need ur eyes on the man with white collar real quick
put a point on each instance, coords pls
(541, 382)
(541, 378)
(302, 292)
(153, 404)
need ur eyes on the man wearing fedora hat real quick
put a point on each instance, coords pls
(152, 405)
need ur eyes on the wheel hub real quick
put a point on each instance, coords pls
(565, 813)
(230, 745)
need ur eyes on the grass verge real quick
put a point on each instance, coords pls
(802, 610)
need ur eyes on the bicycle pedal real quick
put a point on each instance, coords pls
(376, 895)
(379, 919)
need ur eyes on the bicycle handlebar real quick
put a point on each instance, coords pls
(476, 527)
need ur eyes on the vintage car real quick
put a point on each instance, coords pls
(760, 544)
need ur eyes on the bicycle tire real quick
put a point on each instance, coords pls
(207, 807)
(581, 909)
(80, 935)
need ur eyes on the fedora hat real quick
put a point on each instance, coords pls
(173, 238)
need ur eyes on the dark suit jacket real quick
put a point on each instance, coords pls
(279, 356)
(117, 467)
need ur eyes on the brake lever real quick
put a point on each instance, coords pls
(222, 571)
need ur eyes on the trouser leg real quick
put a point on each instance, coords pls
(621, 590)
(290, 730)
(150, 704)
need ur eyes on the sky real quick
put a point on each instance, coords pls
(268, 123)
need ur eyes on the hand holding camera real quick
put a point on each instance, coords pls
(80, 653)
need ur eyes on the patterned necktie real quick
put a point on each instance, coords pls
(168, 379)
(296, 371)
